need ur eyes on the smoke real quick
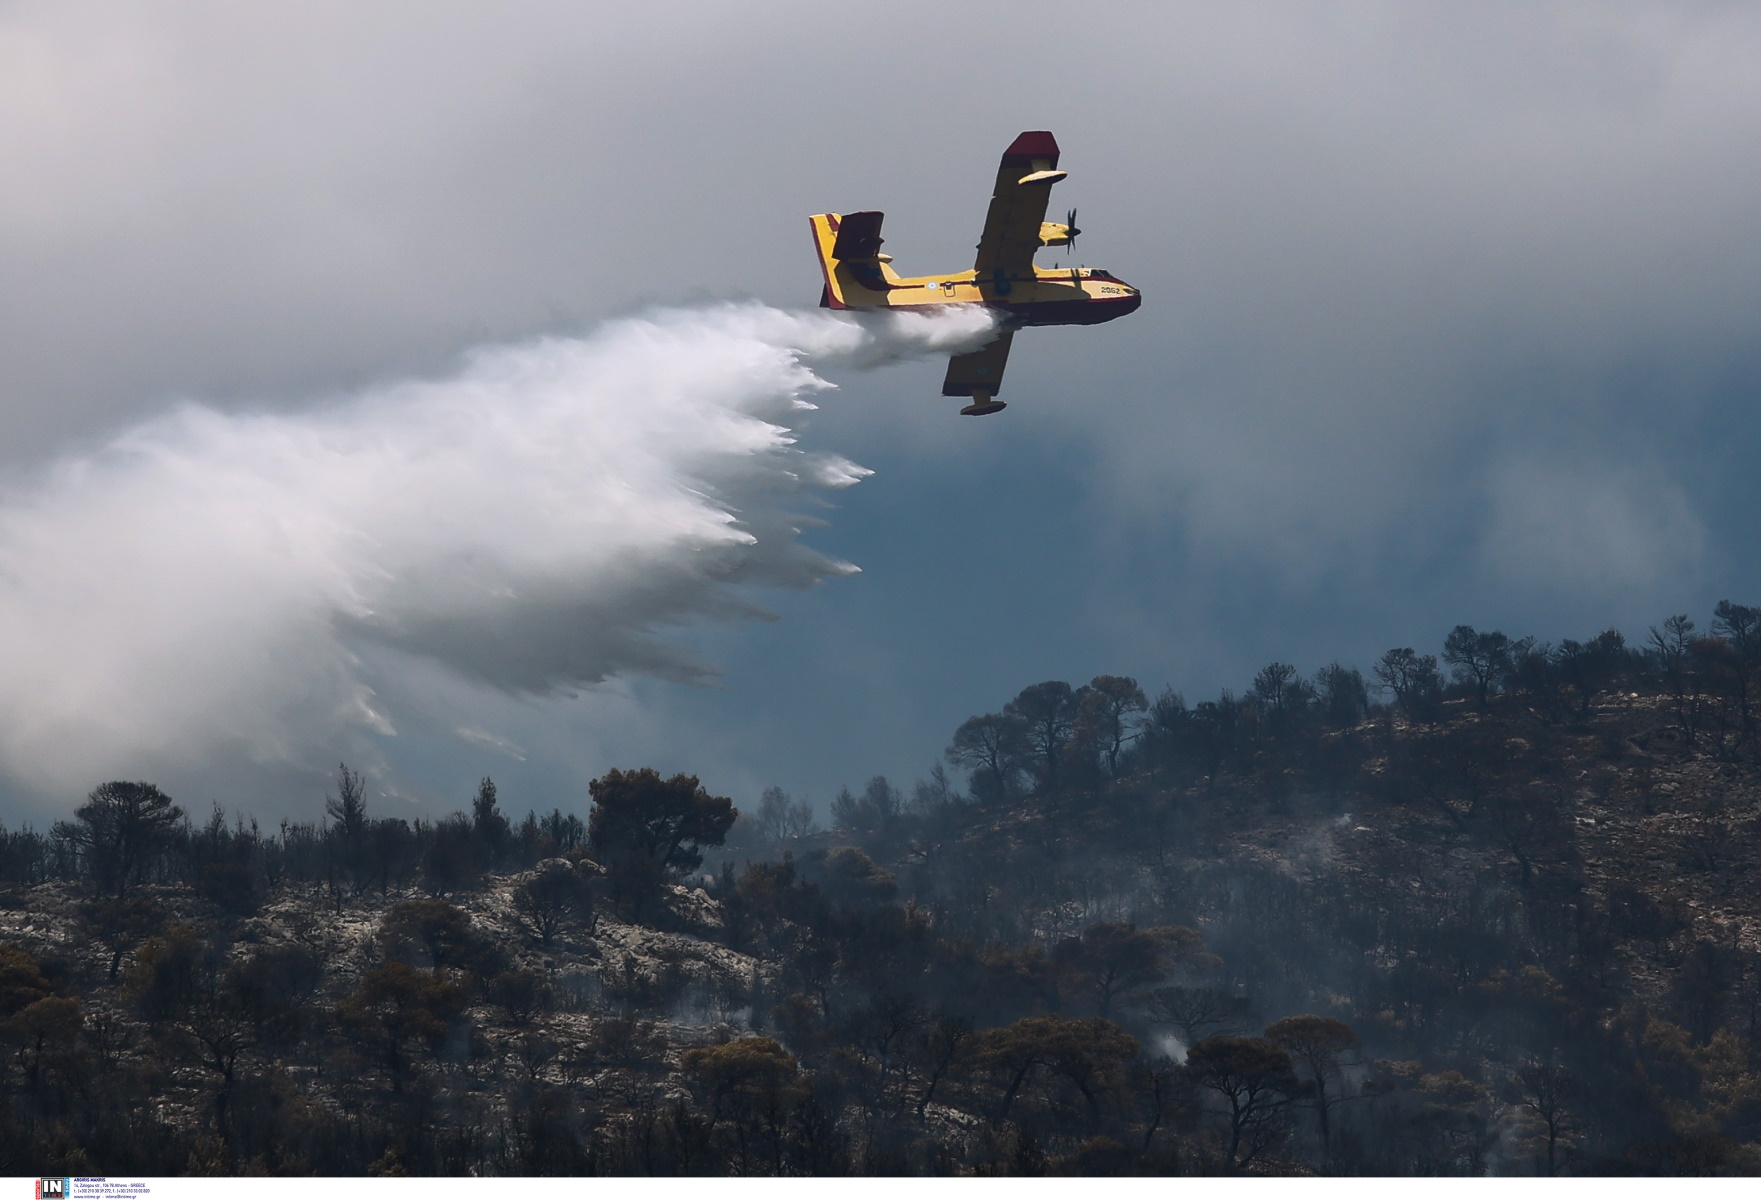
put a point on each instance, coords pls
(1601, 527)
(259, 584)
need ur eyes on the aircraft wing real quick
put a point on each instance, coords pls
(1018, 205)
(980, 371)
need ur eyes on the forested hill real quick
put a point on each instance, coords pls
(1494, 913)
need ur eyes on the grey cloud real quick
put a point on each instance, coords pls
(1431, 293)
(1592, 527)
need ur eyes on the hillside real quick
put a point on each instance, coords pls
(1507, 931)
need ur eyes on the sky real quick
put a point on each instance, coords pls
(422, 385)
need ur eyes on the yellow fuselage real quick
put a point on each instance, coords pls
(1049, 296)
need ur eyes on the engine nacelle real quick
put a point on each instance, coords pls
(1054, 233)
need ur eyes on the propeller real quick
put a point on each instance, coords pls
(1070, 223)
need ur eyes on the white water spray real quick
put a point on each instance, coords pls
(213, 581)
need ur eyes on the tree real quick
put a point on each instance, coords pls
(561, 832)
(553, 892)
(223, 863)
(1703, 986)
(120, 926)
(933, 797)
(1634, 913)
(521, 993)
(1479, 659)
(1341, 696)
(947, 1042)
(1545, 1090)
(1199, 1012)
(667, 821)
(214, 1010)
(348, 813)
(119, 830)
(1590, 667)
(1740, 627)
(441, 932)
(1534, 671)
(875, 809)
(453, 859)
(1411, 677)
(391, 852)
(348, 809)
(32, 1016)
(1317, 1043)
(854, 880)
(1672, 653)
(1256, 1078)
(1281, 696)
(1162, 1089)
(395, 1009)
(1269, 684)
(752, 1084)
(22, 981)
(1531, 825)
(781, 817)
(44, 1023)
(272, 988)
(25, 855)
(1113, 958)
(1082, 1050)
(1214, 733)
(1272, 686)
(1046, 713)
(1092, 1055)
(880, 1030)
(647, 830)
(1163, 735)
(1105, 708)
(488, 826)
(167, 974)
(990, 747)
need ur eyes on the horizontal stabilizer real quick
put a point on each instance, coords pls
(858, 236)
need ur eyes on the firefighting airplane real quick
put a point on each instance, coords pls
(858, 276)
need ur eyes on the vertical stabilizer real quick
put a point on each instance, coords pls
(856, 272)
(825, 236)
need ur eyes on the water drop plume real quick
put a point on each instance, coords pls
(212, 581)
